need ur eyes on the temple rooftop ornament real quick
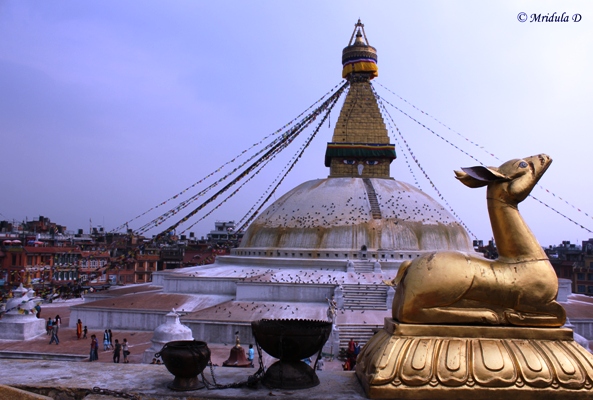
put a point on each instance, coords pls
(360, 137)
(359, 57)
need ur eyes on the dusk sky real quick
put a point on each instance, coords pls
(109, 108)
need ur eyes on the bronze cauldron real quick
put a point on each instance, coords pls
(291, 340)
(185, 359)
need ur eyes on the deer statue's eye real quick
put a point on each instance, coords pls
(522, 164)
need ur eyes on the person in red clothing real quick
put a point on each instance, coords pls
(351, 353)
(79, 329)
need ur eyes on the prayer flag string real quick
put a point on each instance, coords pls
(380, 102)
(474, 158)
(336, 87)
(289, 136)
(296, 158)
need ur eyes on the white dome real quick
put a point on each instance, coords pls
(341, 213)
(171, 330)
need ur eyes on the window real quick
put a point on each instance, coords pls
(590, 277)
(590, 289)
(580, 288)
(581, 276)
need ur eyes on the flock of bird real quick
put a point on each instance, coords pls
(404, 204)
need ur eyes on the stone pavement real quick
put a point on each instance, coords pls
(47, 374)
(74, 380)
(71, 346)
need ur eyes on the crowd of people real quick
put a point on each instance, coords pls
(118, 349)
(109, 344)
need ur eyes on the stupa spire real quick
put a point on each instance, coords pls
(360, 145)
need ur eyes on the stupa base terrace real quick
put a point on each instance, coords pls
(217, 300)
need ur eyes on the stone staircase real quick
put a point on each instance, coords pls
(363, 267)
(364, 297)
(361, 333)
(375, 209)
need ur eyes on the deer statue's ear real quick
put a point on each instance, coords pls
(468, 180)
(475, 177)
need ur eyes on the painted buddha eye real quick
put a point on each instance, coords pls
(350, 162)
(522, 164)
(372, 162)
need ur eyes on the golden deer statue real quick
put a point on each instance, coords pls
(519, 288)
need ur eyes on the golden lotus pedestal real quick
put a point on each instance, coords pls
(405, 361)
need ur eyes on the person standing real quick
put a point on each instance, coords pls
(105, 340)
(116, 351)
(84, 332)
(79, 329)
(110, 339)
(49, 325)
(94, 349)
(250, 354)
(56, 325)
(126, 351)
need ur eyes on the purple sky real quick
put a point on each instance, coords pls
(108, 108)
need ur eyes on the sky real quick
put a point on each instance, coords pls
(109, 108)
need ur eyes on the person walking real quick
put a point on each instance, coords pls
(126, 349)
(116, 351)
(54, 335)
(79, 329)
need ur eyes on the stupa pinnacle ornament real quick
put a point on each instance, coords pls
(359, 57)
(360, 146)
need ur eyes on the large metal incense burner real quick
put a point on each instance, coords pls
(291, 340)
(185, 359)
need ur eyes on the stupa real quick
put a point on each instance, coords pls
(341, 236)
(170, 331)
(20, 321)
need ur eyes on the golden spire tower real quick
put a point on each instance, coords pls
(360, 145)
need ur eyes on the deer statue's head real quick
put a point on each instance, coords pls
(511, 182)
